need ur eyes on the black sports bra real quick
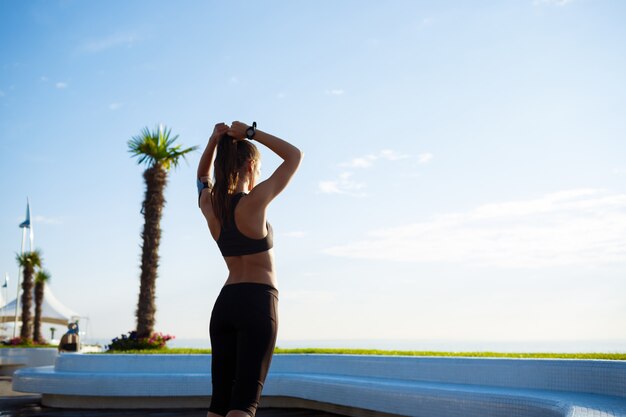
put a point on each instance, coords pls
(234, 243)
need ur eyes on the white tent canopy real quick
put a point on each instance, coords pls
(52, 310)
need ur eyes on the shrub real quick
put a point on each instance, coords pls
(131, 342)
(18, 341)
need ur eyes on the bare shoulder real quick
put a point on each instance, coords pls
(264, 192)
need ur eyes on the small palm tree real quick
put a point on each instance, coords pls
(157, 151)
(28, 261)
(41, 279)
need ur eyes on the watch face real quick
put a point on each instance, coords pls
(250, 132)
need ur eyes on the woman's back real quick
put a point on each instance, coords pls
(249, 221)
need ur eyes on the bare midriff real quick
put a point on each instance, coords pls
(256, 268)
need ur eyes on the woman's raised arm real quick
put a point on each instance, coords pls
(267, 190)
(205, 165)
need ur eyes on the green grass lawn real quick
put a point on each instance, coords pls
(607, 356)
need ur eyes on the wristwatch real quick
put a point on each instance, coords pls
(251, 131)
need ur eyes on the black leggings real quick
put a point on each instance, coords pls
(243, 331)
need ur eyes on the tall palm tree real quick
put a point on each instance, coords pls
(28, 261)
(40, 282)
(157, 151)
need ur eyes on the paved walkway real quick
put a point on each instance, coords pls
(30, 406)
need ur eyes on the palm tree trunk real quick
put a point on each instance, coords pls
(27, 301)
(39, 288)
(156, 179)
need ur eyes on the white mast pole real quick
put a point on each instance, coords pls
(19, 276)
(6, 295)
(25, 225)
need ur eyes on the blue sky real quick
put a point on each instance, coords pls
(463, 179)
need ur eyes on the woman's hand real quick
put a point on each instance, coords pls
(219, 130)
(238, 130)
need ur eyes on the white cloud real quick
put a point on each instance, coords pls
(295, 234)
(2, 93)
(108, 42)
(335, 92)
(46, 220)
(577, 227)
(234, 80)
(43, 78)
(392, 155)
(368, 160)
(553, 2)
(360, 162)
(329, 187)
(342, 185)
(115, 106)
(619, 171)
(281, 95)
(61, 85)
(346, 185)
(424, 158)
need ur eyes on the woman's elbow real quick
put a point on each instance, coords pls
(298, 155)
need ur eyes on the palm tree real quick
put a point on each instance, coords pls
(157, 151)
(40, 282)
(28, 261)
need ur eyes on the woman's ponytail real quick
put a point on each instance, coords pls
(230, 158)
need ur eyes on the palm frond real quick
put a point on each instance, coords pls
(157, 147)
(42, 277)
(32, 259)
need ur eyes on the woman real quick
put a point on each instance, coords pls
(244, 319)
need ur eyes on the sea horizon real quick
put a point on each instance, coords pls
(529, 346)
